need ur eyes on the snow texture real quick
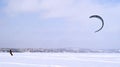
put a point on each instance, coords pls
(60, 60)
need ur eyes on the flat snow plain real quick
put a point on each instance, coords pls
(60, 60)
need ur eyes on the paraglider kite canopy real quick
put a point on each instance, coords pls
(99, 17)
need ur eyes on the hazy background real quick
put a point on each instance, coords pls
(59, 24)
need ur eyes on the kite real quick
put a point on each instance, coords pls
(97, 16)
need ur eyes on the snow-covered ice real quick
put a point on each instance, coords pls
(60, 60)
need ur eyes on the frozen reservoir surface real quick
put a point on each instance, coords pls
(60, 60)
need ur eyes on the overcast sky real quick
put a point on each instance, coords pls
(59, 24)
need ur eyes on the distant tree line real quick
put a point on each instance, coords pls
(59, 50)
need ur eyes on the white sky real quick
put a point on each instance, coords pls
(59, 24)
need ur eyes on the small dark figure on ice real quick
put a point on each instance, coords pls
(11, 52)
